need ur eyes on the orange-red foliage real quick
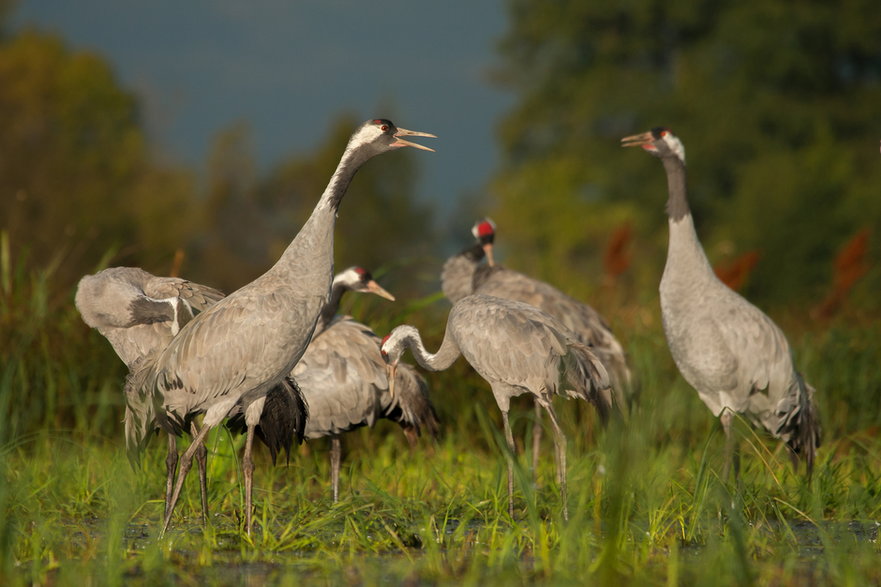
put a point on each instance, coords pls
(616, 257)
(850, 265)
(735, 273)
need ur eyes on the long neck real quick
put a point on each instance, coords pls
(314, 243)
(677, 203)
(330, 308)
(445, 356)
(684, 249)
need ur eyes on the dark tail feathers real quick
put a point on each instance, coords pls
(802, 427)
(586, 377)
(283, 419)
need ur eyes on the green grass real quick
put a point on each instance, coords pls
(646, 504)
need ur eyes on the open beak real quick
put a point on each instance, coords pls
(639, 140)
(403, 132)
(391, 369)
(488, 250)
(377, 289)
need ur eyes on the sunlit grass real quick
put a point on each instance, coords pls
(645, 499)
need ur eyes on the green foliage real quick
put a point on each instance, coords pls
(775, 103)
(646, 504)
(75, 172)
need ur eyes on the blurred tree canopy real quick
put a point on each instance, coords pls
(76, 176)
(776, 102)
(80, 185)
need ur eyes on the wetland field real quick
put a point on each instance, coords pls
(647, 504)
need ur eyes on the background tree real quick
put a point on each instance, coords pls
(776, 104)
(76, 176)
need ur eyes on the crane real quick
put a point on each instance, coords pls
(248, 342)
(344, 379)
(588, 326)
(517, 349)
(734, 355)
(463, 274)
(139, 313)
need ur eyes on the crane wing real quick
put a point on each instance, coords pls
(341, 374)
(508, 341)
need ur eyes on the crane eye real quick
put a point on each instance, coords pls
(383, 128)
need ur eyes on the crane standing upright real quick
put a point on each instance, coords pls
(248, 342)
(734, 355)
(517, 349)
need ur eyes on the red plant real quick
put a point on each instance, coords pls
(735, 273)
(616, 257)
(850, 265)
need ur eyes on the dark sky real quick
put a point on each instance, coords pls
(289, 67)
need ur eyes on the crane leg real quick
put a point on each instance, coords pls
(248, 473)
(560, 454)
(202, 461)
(536, 440)
(335, 458)
(509, 456)
(170, 467)
(732, 457)
(186, 462)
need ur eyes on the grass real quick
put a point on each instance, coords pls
(646, 503)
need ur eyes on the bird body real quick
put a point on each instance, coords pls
(457, 274)
(344, 379)
(733, 354)
(138, 312)
(247, 343)
(588, 326)
(517, 349)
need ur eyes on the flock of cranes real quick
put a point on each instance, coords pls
(275, 362)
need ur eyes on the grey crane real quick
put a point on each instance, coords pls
(464, 273)
(248, 342)
(517, 349)
(588, 326)
(345, 381)
(736, 358)
(139, 313)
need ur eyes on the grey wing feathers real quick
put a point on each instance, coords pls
(586, 324)
(341, 374)
(457, 275)
(525, 343)
(132, 308)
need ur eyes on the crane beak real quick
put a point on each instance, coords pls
(411, 133)
(640, 140)
(377, 289)
(391, 369)
(488, 250)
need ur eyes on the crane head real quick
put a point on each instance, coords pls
(391, 361)
(485, 232)
(380, 134)
(660, 142)
(360, 280)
